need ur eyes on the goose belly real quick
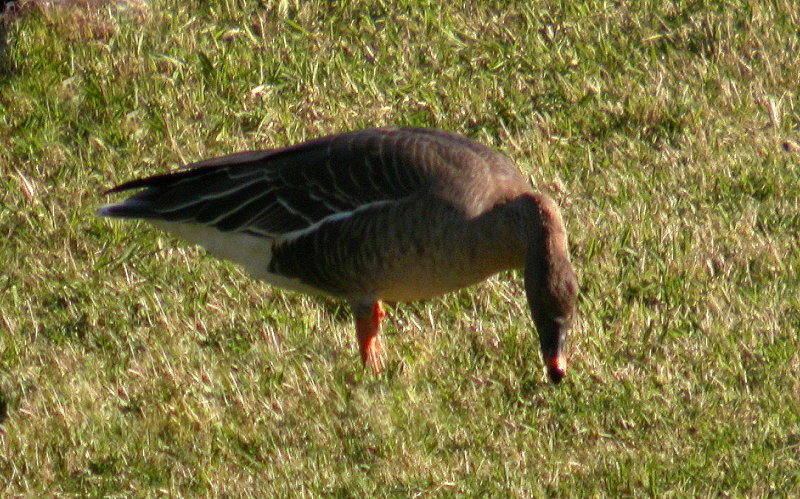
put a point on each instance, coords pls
(410, 279)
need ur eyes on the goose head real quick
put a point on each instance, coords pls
(551, 285)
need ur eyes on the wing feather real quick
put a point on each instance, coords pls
(273, 193)
(270, 193)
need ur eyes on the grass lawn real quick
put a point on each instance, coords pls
(668, 131)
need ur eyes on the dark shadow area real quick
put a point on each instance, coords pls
(3, 410)
(8, 9)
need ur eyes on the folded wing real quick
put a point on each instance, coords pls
(270, 193)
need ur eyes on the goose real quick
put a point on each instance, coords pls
(383, 214)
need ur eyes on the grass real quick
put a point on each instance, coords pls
(132, 365)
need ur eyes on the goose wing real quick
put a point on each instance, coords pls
(270, 193)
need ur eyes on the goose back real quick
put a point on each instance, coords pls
(270, 193)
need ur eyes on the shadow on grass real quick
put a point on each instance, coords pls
(339, 310)
(8, 12)
(3, 410)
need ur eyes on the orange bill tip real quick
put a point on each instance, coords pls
(559, 362)
(556, 368)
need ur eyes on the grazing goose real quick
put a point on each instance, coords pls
(394, 214)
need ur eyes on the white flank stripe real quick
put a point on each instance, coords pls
(330, 218)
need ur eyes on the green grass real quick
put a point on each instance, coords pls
(132, 365)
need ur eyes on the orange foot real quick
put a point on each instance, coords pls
(368, 325)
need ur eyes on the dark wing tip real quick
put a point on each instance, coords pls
(130, 208)
(154, 181)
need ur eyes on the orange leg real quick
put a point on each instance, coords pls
(368, 325)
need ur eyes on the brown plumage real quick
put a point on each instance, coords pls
(394, 214)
